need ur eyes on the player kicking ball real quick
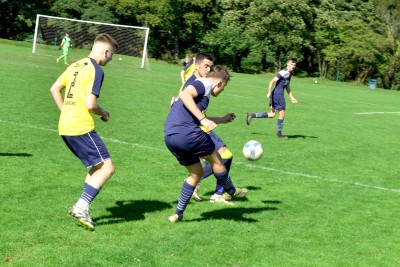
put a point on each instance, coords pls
(188, 142)
(276, 97)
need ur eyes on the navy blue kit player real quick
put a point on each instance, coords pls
(276, 97)
(188, 142)
(203, 64)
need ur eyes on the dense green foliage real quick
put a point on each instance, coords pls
(325, 197)
(358, 38)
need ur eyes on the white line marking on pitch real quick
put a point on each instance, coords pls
(372, 113)
(318, 178)
(237, 162)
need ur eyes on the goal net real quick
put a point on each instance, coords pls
(49, 31)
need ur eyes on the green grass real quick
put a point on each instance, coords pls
(328, 196)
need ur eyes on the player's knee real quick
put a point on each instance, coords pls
(109, 167)
(225, 153)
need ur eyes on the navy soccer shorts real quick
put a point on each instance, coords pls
(89, 148)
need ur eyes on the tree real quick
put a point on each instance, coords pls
(17, 17)
(92, 10)
(281, 26)
(389, 11)
(229, 42)
(348, 37)
(176, 25)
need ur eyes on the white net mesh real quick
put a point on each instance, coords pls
(132, 41)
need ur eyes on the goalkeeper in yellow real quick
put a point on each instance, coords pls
(65, 45)
(82, 82)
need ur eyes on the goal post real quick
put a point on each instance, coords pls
(49, 30)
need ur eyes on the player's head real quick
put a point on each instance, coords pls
(203, 62)
(67, 34)
(221, 76)
(104, 47)
(291, 64)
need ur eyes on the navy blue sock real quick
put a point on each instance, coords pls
(88, 195)
(186, 194)
(260, 115)
(224, 180)
(279, 127)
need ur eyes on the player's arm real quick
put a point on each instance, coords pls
(94, 107)
(187, 96)
(56, 92)
(289, 92)
(183, 76)
(271, 84)
(227, 118)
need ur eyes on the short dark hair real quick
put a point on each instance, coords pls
(106, 38)
(293, 59)
(201, 56)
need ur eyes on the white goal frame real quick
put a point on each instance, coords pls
(144, 55)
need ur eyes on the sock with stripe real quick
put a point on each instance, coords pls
(89, 193)
(226, 182)
(184, 198)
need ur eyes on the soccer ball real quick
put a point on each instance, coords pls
(253, 150)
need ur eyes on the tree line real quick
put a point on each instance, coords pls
(358, 39)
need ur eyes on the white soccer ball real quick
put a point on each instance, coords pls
(253, 150)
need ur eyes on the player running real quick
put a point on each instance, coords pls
(276, 98)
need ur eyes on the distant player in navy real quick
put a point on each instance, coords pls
(276, 98)
(188, 142)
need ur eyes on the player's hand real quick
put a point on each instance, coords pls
(294, 100)
(209, 124)
(268, 95)
(105, 117)
(229, 117)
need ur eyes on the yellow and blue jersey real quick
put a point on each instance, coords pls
(189, 70)
(80, 79)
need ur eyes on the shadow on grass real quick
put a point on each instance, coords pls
(301, 136)
(232, 214)
(293, 136)
(15, 155)
(131, 210)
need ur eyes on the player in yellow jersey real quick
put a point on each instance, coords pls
(188, 70)
(82, 82)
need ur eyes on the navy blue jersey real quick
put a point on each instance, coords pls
(180, 119)
(277, 99)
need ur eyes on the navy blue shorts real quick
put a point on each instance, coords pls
(89, 148)
(189, 147)
(217, 141)
(277, 101)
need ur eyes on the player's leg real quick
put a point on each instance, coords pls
(91, 150)
(279, 125)
(195, 173)
(65, 52)
(222, 175)
(250, 115)
(59, 58)
(207, 169)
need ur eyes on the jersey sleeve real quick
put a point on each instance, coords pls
(98, 79)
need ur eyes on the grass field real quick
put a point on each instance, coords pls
(327, 196)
